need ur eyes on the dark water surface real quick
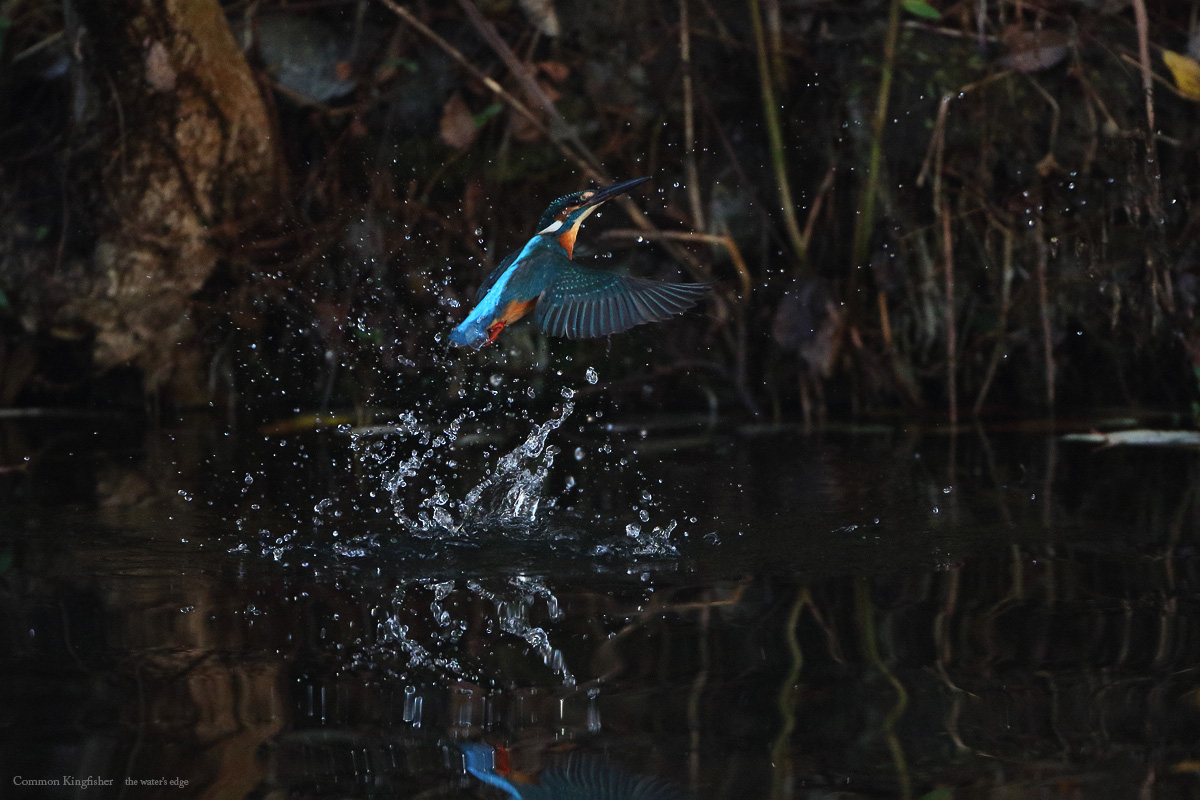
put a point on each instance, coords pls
(847, 614)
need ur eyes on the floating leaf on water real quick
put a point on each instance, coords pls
(919, 8)
(1140, 437)
(1186, 73)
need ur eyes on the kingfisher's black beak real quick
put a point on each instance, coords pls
(609, 192)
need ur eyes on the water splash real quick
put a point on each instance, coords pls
(655, 543)
(380, 447)
(438, 649)
(510, 493)
(512, 613)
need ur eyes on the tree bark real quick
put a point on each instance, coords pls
(190, 154)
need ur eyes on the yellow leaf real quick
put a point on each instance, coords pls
(1186, 72)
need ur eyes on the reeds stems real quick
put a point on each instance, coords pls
(775, 133)
(865, 222)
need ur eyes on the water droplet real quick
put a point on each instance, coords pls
(591, 375)
(633, 530)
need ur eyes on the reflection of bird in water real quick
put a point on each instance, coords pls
(574, 778)
(568, 299)
(809, 321)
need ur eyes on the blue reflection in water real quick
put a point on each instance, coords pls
(577, 777)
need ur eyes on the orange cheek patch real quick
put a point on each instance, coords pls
(567, 239)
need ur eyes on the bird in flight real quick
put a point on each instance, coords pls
(566, 298)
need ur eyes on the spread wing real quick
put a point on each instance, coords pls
(582, 302)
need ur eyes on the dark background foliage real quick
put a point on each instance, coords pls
(910, 208)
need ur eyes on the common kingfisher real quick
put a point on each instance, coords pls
(569, 299)
(573, 778)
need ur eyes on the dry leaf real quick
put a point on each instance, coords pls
(1031, 51)
(159, 72)
(1048, 165)
(457, 128)
(554, 70)
(1186, 73)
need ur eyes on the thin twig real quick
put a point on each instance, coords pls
(951, 332)
(869, 643)
(580, 153)
(864, 224)
(584, 160)
(941, 210)
(1143, 34)
(726, 241)
(496, 89)
(744, 183)
(1044, 305)
(696, 697)
(775, 36)
(1001, 323)
(939, 128)
(1049, 98)
(818, 201)
(1160, 80)
(783, 777)
(533, 90)
(775, 133)
(691, 174)
(1160, 283)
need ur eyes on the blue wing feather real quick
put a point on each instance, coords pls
(583, 302)
(587, 778)
(495, 274)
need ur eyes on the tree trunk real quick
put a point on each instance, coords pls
(190, 153)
